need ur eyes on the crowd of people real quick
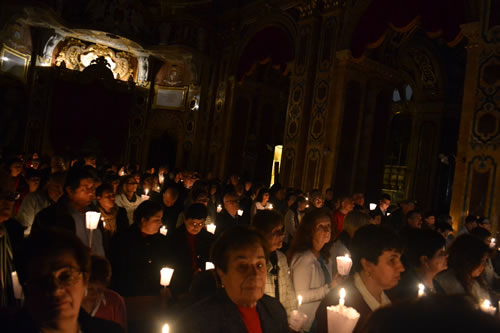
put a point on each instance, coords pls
(246, 257)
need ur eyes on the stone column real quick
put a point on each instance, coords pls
(476, 186)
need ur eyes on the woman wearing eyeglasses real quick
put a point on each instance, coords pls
(278, 283)
(53, 267)
(310, 264)
(127, 198)
(188, 249)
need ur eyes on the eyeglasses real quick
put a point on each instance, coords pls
(324, 227)
(63, 277)
(134, 183)
(196, 225)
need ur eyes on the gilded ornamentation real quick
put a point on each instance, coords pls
(306, 7)
(77, 55)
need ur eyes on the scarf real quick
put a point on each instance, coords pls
(109, 218)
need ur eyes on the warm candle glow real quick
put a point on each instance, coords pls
(240, 212)
(219, 208)
(163, 230)
(373, 206)
(421, 290)
(493, 243)
(209, 266)
(299, 298)
(166, 276)
(342, 296)
(211, 228)
(165, 328)
(92, 219)
(146, 191)
(270, 206)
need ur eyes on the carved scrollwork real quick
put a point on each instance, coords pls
(77, 55)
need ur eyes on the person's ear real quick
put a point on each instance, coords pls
(423, 260)
(221, 275)
(367, 265)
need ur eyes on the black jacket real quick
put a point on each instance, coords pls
(56, 215)
(23, 323)
(218, 314)
(122, 225)
(225, 221)
(136, 261)
(179, 257)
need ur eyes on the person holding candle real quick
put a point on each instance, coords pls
(426, 257)
(188, 249)
(114, 219)
(279, 284)
(172, 206)
(54, 267)
(490, 277)
(138, 254)
(240, 257)
(467, 259)
(309, 261)
(127, 197)
(376, 255)
(69, 211)
(261, 202)
(228, 218)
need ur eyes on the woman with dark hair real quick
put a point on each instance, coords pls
(309, 261)
(278, 285)
(376, 257)
(188, 248)
(127, 197)
(467, 260)
(294, 216)
(114, 219)
(426, 257)
(261, 202)
(138, 254)
(239, 255)
(54, 267)
(490, 277)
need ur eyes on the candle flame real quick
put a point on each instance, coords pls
(421, 287)
(342, 293)
(347, 255)
(165, 328)
(299, 298)
(486, 303)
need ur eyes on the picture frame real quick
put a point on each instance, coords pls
(171, 98)
(14, 62)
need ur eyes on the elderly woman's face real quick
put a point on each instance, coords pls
(387, 272)
(245, 278)
(55, 288)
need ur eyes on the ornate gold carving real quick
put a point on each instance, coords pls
(473, 33)
(307, 7)
(75, 50)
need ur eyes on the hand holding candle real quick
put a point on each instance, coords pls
(344, 265)
(219, 209)
(166, 276)
(486, 307)
(297, 319)
(341, 318)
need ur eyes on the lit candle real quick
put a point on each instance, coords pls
(219, 209)
(388, 214)
(421, 290)
(270, 206)
(240, 212)
(373, 206)
(211, 228)
(209, 265)
(92, 220)
(165, 328)
(297, 319)
(307, 198)
(342, 295)
(146, 191)
(161, 178)
(163, 230)
(166, 276)
(493, 243)
(158, 188)
(486, 307)
(344, 265)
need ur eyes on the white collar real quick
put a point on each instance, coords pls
(367, 296)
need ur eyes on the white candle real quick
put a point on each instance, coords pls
(240, 212)
(421, 290)
(161, 178)
(18, 290)
(219, 209)
(388, 214)
(209, 265)
(92, 219)
(299, 299)
(165, 328)
(146, 191)
(163, 230)
(486, 307)
(270, 206)
(493, 243)
(373, 206)
(341, 319)
(166, 276)
(344, 265)
(211, 228)
(342, 295)
(307, 198)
